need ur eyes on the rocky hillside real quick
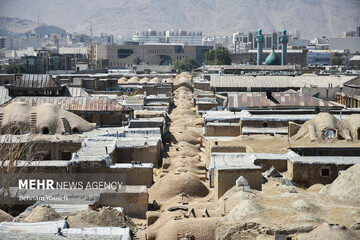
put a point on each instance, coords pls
(10, 26)
(120, 17)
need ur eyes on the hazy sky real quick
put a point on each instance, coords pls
(216, 17)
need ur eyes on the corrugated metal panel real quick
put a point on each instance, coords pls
(350, 91)
(76, 92)
(245, 81)
(42, 81)
(278, 99)
(92, 104)
(4, 95)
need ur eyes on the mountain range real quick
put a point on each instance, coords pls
(213, 17)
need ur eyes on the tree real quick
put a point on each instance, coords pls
(336, 61)
(17, 150)
(317, 110)
(137, 61)
(186, 64)
(219, 56)
(18, 68)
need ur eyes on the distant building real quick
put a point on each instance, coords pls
(104, 39)
(247, 41)
(318, 58)
(300, 43)
(351, 44)
(180, 36)
(121, 56)
(297, 57)
(350, 94)
(349, 34)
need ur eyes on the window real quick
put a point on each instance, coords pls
(124, 53)
(15, 130)
(45, 130)
(75, 130)
(265, 125)
(66, 155)
(329, 134)
(179, 49)
(325, 172)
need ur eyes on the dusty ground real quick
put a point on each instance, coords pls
(255, 215)
(185, 207)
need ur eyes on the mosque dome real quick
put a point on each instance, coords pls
(273, 59)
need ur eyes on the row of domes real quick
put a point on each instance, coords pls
(137, 80)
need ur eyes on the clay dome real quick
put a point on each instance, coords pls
(122, 80)
(133, 80)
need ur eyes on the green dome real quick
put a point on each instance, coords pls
(273, 59)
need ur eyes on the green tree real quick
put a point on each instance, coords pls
(186, 64)
(219, 56)
(137, 61)
(336, 61)
(17, 68)
(317, 110)
(133, 93)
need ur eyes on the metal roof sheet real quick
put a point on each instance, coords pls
(4, 95)
(248, 67)
(75, 92)
(42, 81)
(336, 160)
(86, 104)
(244, 100)
(231, 161)
(269, 81)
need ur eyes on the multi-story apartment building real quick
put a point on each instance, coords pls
(180, 36)
(247, 41)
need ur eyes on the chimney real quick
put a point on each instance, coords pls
(268, 94)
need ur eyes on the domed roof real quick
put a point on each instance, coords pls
(144, 80)
(154, 80)
(273, 59)
(133, 80)
(122, 80)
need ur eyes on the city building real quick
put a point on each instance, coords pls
(322, 58)
(244, 42)
(121, 56)
(350, 44)
(180, 36)
(350, 94)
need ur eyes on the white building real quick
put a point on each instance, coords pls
(180, 36)
(318, 58)
(247, 41)
(351, 44)
(73, 50)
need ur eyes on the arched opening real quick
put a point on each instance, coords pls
(265, 125)
(15, 130)
(45, 130)
(329, 134)
(75, 130)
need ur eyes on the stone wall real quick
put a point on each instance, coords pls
(144, 154)
(225, 179)
(134, 200)
(309, 174)
(223, 130)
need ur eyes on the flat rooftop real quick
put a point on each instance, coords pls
(233, 161)
(324, 160)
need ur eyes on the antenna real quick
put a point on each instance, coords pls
(91, 31)
(38, 30)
